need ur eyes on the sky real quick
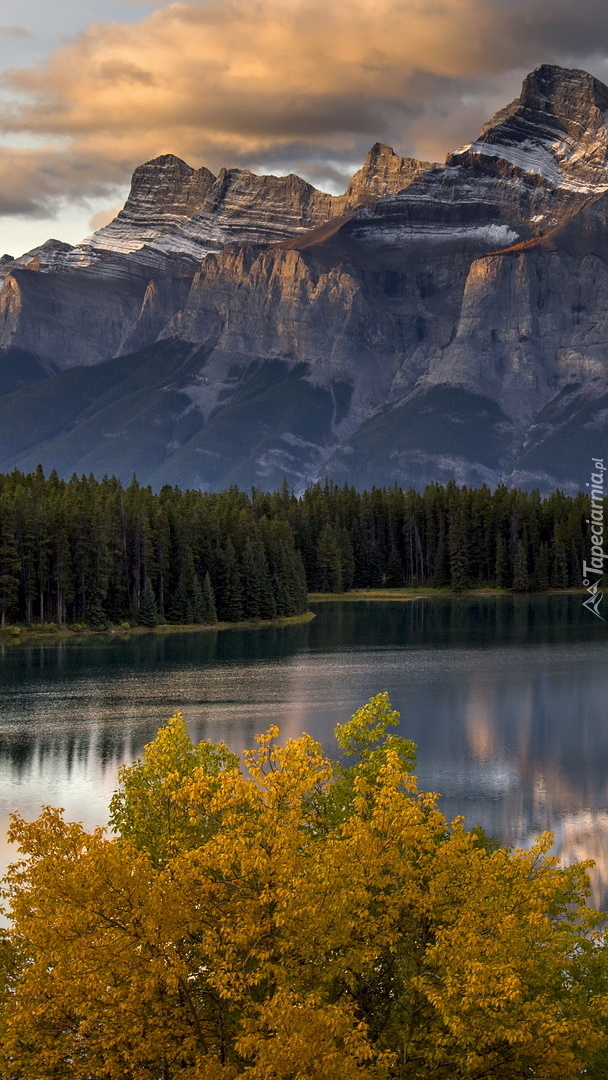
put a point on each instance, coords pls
(89, 89)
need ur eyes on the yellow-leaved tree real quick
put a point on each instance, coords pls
(293, 919)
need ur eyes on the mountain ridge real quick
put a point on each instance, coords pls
(321, 330)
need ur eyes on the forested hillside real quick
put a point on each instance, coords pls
(97, 552)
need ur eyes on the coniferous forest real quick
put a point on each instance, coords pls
(98, 553)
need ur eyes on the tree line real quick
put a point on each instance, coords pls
(95, 552)
(451, 536)
(99, 552)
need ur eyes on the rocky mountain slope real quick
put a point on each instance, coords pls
(432, 322)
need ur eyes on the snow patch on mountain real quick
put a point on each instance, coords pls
(497, 235)
(540, 160)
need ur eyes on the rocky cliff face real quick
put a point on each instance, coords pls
(164, 194)
(383, 173)
(176, 212)
(432, 322)
(556, 129)
(119, 288)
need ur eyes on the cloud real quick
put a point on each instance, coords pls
(103, 217)
(36, 182)
(280, 83)
(15, 32)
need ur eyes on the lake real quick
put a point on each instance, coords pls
(506, 698)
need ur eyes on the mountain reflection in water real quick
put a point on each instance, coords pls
(506, 698)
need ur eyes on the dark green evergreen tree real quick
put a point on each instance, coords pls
(9, 563)
(541, 568)
(180, 603)
(196, 600)
(458, 546)
(252, 582)
(148, 611)
(521, 576)
(559, 561)
(208, 609)
(501, 563)
(96, 616)
(230, 598)
(330, 561)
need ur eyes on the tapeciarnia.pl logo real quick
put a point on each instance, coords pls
(593, 571)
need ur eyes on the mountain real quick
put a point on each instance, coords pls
(433, 322)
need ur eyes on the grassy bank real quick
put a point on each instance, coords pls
(405, 593)
(428, 592)
(52, 632)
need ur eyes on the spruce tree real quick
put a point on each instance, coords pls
(521, 576)
(541, 568)
(230, 601)
(148, 611)
(330, 561)
(186, 597)
(252, 582)
(196, 601)
(458, 545)
(179, 602)
(96, 616)
(208, 609)
(9, 562)
(559, 566)
(25, 533)
(441, 567)
(501, 565)
(268, 607)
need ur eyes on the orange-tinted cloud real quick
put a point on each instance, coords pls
(103, 217)
(282, 84)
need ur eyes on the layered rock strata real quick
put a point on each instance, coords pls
(434, 321)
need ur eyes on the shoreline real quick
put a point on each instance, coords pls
(16, 635)
(406, 593)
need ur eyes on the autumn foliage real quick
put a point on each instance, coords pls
(293, 918)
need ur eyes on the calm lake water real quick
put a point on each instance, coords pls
(506, 698)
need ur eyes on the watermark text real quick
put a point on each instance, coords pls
(593, 570)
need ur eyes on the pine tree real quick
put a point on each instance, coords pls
(441, 568)
(501, 565)
(62, 566)
(521, 576)
(25, 521)
(541, 568)
(148, 611)
(458, 545)
(96, 617)
(252, 582)
(208, 609)
(9, 562)
(183, 602)
(347, 560)
(230, 601)
(196, 600)
(268, 607)
(292, 592)
(559, 567)
(330, 561)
